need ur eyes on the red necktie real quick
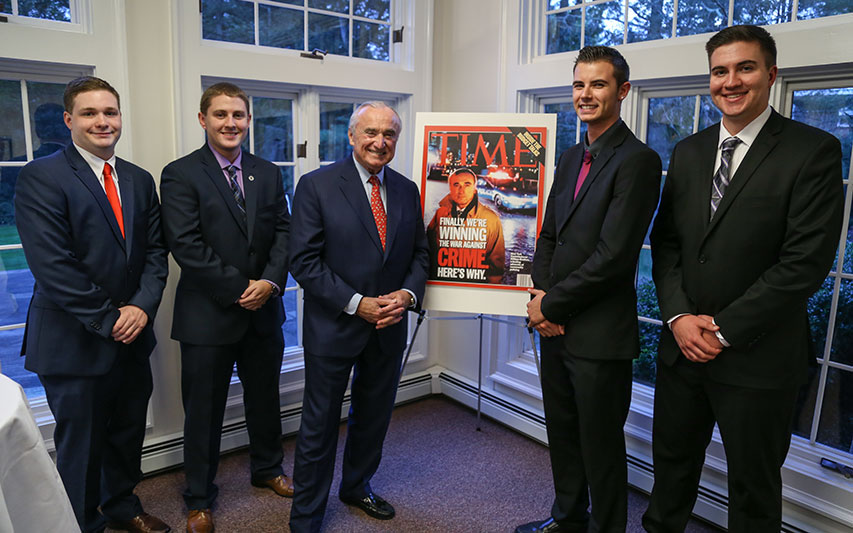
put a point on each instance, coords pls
(377, 208)
(112, 196)
(587, 162)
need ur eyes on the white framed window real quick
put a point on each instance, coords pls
(50, 14)
(351, 28)
(567, 25)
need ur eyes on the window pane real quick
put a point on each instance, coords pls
(287, 183)
(830, 110)
(334, 122)
(836, 415)
(228, 20)
(6, 7)
(709, 114)
(847, 265)
(45, 9)
(328, 33)
(567, 126)
(645, 366)
(12, 144)
(49, 132)
(762, 13)
(13, 364)
(670, 120)
(16, 281)
(291, 323)
(842, 336)
(804, 410)
(290, 2)
(370, 41)
(649, 20)
(281, 27)
(818, 311)
(701, 16)
(564, 31)
(605, 24)
(557, 4)
(272, 121)
(373, 9)
(338, 6)
(812, 9)
(647, 299)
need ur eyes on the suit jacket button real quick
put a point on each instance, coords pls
(122, 304)
(95, 325)
(703, 259)
(561, 242)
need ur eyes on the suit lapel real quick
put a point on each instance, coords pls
(250, 192)
(125, 182)
(353, 190)
(393, 207)
(763, 145)
(595, 169)
(220, 183)
(705, 162)
(84, 173)
(563, 201)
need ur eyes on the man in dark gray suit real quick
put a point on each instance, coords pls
(746, 232)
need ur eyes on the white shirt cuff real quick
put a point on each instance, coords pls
(352, 306)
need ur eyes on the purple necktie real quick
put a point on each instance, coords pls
(587, 162)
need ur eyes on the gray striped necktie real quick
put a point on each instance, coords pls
(235, 189)
(723, 174)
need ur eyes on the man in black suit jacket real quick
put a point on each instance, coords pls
(585, 305)
(90, 227)
(746, 232)
(226, 222)
(361, 265)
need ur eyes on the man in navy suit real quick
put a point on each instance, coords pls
(585, 306)
(746, 232)
(359, 250)
(90, 227)
(226, 221)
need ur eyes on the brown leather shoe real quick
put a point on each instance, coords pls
(144, 523)
(281, 485)
(200, 521)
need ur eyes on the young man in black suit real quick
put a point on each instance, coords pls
(746, 232)
(226, 221)
(585, 305)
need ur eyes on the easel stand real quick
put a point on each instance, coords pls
(480, 318)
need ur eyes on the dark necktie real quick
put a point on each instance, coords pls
(378, 209)
(723, 174)
(112, 196)
(235, 189)
(587, 162)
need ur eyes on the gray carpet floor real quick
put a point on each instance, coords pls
(441, 475)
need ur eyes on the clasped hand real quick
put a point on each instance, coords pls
(537, 320)
(255, 295)
(696, 336)
(384, 310)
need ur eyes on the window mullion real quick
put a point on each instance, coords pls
(25, 108)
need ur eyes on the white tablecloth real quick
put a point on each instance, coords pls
(32, 497)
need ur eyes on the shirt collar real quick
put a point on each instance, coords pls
(750, 132)
(599, 144)
(365, 175)
(95, 162)
(223, 162)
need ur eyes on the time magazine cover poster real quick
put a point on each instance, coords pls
(484, 180)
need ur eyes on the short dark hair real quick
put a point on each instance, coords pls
(228, 89)
(86, 84)
(462, 170)
(591, 54)
(744, 33)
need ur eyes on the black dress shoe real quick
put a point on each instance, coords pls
(542, 526)
(373, 505)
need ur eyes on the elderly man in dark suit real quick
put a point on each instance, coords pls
(90, 227)
(746, 232)
(359, 250)
(585, 305)
(226, 221)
